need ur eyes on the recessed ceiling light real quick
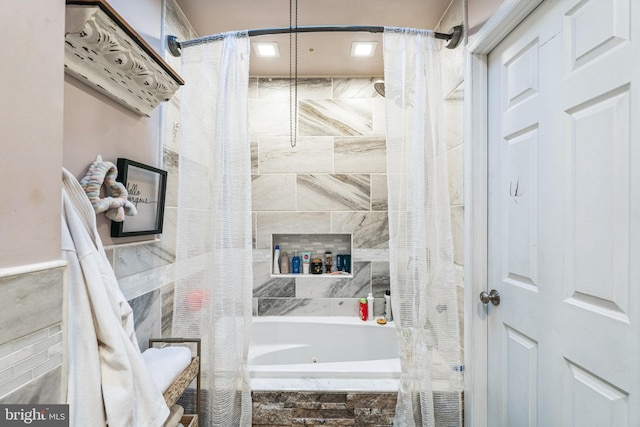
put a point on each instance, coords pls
(363, 48)
(266, 49)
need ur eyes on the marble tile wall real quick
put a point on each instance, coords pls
(145, 271)
(332, 181)
(31, 339)
(453, 88)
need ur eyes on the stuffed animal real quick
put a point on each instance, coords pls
(115, 204)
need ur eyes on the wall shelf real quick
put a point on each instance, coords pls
(317, 244)
(104, 52)
(313, 276)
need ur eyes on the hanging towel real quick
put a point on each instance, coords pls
(116, 204)
(108, 381)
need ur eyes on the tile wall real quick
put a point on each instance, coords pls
(315, 408)
(332, 181)
(453, 89)
(145, 271)
(31, 337)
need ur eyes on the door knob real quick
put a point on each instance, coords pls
(493, 296)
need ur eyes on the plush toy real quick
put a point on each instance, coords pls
(115, 204)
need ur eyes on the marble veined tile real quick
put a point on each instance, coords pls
(276, 288)
(43, 390)
(254, 143)
(254, 230)
(335, 117)
(130, 260)
(455, 163)
(253, 88)
(356, 287)
(354, 87)
(364, 254)
(453, 63)
(147, 315)
(170, 135)
(453, 122)
(170, 160)
(271, 87)
(294, 307)
(273, 193)
(265, 286)
(380, 278)
(31, 301)
(310, 155)
(334, 192)
(360, 154)
(269, 117)
(370, 229)
(379, 117)
(379, 192)
(457, 231)
(167, 295)
(346, 306)
(177, 24)
(269, 223)
(169, 233)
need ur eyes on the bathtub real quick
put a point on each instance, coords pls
(323, 353)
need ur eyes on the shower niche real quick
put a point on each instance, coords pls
(335, 248)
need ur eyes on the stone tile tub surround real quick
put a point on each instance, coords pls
(333, 181)
(308, 408)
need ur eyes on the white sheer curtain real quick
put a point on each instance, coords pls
(420, 249)
(213, 257)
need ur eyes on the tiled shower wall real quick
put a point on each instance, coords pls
(453, 88)
(145, 271)
(332, 181)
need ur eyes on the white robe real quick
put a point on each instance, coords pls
(108, 381)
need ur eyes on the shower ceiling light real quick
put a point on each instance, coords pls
(266, 49)
(363, 48)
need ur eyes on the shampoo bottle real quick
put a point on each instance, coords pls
(295, 263)
(387, 306)
(363, 309)
(276, 260)
(284, 263)
(370, 306)
(306, 262)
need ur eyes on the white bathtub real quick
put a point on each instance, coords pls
(323, 353)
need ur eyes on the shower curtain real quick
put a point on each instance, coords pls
(214, 279)
(423, 288)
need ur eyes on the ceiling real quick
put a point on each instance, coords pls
(319, 54)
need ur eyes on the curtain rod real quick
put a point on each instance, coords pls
(453, 37)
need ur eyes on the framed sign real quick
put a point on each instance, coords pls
(146, 186)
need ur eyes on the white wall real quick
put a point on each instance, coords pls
(95, 124)
(479, 11)
(31, 129)
(31, 279)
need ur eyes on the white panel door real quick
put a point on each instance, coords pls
(564, 218)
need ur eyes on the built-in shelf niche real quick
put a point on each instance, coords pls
(317, 244)
(105, 53)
